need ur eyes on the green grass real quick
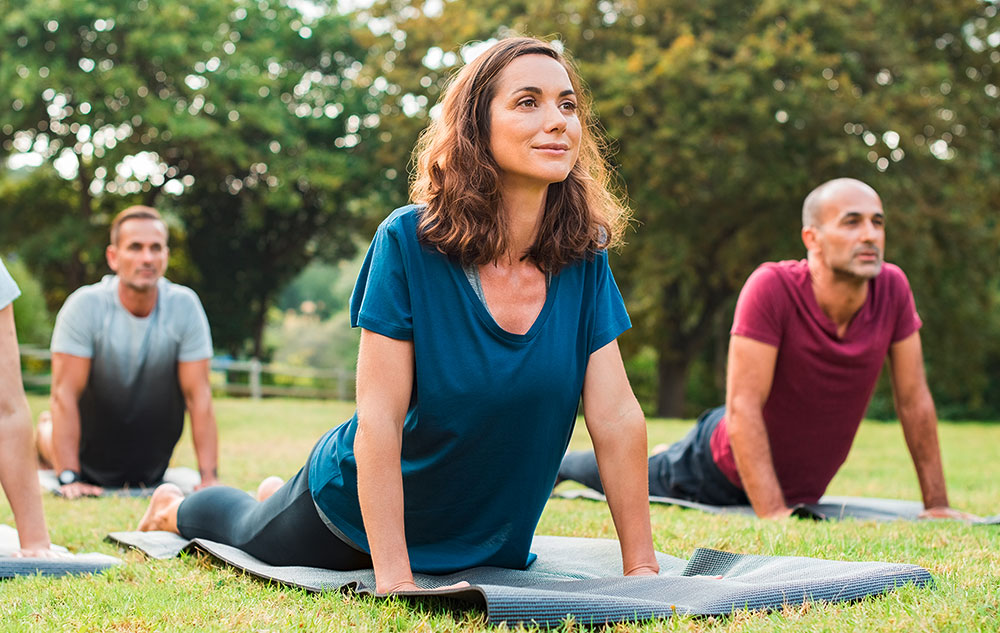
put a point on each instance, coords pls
(274, 437)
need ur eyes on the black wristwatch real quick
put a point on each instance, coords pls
(68, 476)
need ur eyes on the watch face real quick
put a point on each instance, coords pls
(67, 477)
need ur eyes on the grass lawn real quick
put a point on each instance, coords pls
(274, 437)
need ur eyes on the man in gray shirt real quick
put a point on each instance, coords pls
(129, 354)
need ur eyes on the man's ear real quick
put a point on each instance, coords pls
(809, 237)
(111, 255)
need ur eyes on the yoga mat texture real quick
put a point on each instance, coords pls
(183, 477)
(75, 564)
(581, 577)
(829, 508)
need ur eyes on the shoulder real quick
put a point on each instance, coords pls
(593, 268)
(398, 231)
(402, 222)
(777, 277)
(182, 313)
(893, 277)
(892, 288)
(176, 293)
(91, 297)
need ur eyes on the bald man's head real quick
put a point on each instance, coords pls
(816, 201)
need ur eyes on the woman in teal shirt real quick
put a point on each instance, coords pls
(487, 309)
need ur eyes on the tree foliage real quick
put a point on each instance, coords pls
(725, 115)
(31, 318)
(240, 119)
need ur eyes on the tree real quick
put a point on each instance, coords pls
(242, 120)
(724, 115)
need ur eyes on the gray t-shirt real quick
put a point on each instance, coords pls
(8, 288)
(132, 409)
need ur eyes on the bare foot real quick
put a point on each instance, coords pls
(162, 511)
(268, 487)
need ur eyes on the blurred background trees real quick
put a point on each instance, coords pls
(237, 119)
(281, 135)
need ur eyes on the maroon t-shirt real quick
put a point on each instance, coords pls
(822, 383)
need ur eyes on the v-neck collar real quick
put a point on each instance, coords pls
(479, 306)
(824, 319)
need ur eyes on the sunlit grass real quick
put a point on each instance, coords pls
(275, 436)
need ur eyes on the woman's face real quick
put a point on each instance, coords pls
(534, 128)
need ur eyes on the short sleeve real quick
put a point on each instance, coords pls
(196, 336)
(381, 299)
(75, 325)
(610, 316)
(8, 287)
(907, 320)
(758, 309)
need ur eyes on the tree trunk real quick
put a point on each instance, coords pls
(259, 321)
(672, 381)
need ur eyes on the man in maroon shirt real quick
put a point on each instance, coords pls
(808, 342)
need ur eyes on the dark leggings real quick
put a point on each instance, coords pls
(686, 470)
(285, 529)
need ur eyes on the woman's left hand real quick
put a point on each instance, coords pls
(411, 586)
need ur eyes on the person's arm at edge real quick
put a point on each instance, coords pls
(69, 378)
(618, 430)
(748, 383)
(193, 377)
(917, 416)
(18, 466)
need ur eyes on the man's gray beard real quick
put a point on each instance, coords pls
(849, 275)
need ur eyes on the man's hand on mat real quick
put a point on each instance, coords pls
(945, 512)
(412, 586)
(782, 513)
(79, 489)
(208, 482)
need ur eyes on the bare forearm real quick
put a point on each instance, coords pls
(380, 495)
(920, 430)
(18, 473)
(752, 452)
(65, 431)
(205, 435)
(621, 458)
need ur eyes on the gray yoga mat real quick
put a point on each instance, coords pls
(829, 508)
(581, 577)
(187, 479)
(75, 564)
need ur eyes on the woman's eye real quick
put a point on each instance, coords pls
(528, 103)
(569, 105)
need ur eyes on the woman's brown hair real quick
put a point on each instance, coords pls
(458, 181)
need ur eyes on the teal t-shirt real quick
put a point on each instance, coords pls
(491, 412)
